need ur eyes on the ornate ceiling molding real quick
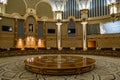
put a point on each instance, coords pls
(31, 3)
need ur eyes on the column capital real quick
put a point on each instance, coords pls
(84, 22)
(58, 23)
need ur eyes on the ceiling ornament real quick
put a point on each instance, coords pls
(83, 4)
(59, 4)
(114, 10)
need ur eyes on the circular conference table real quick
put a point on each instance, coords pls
(59, 64)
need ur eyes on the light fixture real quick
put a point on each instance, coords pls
(84, 14)
(58, 16)
(3, 1)
(84, 7)
(83, 4)
(59, 5)
(114, 11)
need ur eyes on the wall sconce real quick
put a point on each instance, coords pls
(3, 1)
(3, 6)
(84, 6)
(114, 11)
(59, 8)
(58, 16)
(84, 14)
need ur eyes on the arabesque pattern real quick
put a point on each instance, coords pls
(107, 68)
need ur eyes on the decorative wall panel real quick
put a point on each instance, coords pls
(40, 29)
(16, 6)
(44, 9)
(20, 29)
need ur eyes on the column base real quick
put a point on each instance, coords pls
(84, 49)
(60, 48)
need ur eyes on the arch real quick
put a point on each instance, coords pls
(71, 28)
(71, 17)
(30, 30)
(16, 15)
(44, 18)
(31, 24)
(30, 16)
(44, 9)
(46, 1)
(16, 6)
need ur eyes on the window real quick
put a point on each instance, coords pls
(71, 28)
(7, 28)
(110, 27)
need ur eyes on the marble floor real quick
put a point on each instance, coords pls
(107, 68)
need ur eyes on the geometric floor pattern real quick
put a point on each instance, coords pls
(107, 68)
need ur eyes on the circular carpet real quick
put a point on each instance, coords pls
(107, 68)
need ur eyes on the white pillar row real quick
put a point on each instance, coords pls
(59, 35)
(84, 36)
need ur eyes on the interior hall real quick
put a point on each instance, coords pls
(73, 39)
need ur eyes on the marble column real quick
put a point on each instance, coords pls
(59, 35)
(84, 36)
